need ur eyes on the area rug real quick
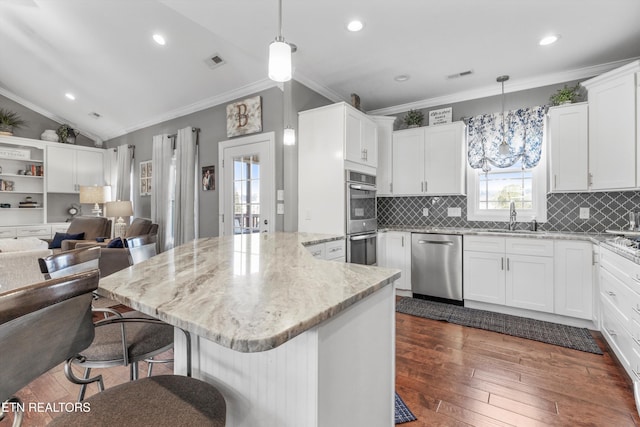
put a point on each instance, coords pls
(403, 414)
(538, 330)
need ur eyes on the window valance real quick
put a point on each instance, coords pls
(524, 133)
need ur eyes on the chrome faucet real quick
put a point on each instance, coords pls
(512, 215)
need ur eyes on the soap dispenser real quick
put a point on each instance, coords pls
(534, 224)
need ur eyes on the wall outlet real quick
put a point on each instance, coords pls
(425, 211)
(280, 209)
(280, 195)
(454, 211)
(584, 213)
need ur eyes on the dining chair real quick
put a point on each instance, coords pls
(57, 313)
(130, 338)
(141, 247)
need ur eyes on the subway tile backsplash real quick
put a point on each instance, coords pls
(607, 210)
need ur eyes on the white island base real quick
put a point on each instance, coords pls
(338, 373)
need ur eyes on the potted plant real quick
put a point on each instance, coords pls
(66, 134)
(9, 121)
(414, 118)
(566, 95)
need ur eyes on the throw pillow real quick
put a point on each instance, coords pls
(116, 243)
(59, 237)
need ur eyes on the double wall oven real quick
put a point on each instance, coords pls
(361, 215)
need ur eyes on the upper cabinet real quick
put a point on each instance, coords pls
(361, 144)
(429, 160)
(69, 167)
(612, 128)
(385, 153)
(569, 143)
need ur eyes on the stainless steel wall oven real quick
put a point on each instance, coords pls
(362, 222)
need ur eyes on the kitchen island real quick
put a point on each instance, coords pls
(289, 340)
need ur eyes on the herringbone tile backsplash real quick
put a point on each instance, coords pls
(608, 210)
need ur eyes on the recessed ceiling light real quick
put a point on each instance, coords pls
(159, 39)
(549, 40)
(401, 78)
(70, 96)
(355, 25)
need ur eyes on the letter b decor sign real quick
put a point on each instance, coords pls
(244, 117)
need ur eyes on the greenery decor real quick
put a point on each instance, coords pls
(66, 134)
(9, 121)
(414, 118)
(565, 95)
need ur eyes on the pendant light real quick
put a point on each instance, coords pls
(280, 54)
(289, 134)
(504, 148)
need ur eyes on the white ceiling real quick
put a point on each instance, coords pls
(102, 51)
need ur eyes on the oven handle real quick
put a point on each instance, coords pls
(362, 237)
(362, 187)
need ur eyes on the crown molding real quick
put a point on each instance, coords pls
(318, 88)
(513, 86)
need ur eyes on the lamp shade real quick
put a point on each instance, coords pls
(94, 194)
(119, 208)
(279, 61)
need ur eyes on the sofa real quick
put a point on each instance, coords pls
(92, 227)
(19, 262)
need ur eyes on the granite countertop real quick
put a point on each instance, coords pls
(557, 235)
(250, 292)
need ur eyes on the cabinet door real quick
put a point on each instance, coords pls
(529, 282)
(353, 150)
(569, 148)
(484, 278)
(384, 154)
(444, 159)
(60, 169)
(573, 279)
(612, 130)
(398, 255)
(89, 167)
(408, 162)
(370, 143)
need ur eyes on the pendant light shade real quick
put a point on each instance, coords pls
(279, 61)
(289, 136)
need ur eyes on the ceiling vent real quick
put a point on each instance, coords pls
(214, 61)
(461, 74)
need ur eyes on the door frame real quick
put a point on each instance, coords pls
(268, 137)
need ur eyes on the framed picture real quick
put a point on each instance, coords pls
(145, 178)
(208, 178)
(244, 117)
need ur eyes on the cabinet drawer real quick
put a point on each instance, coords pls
(621, 298)
(317, 251)
(335, 250)
(536, 247)
(35, 230)
(618, 338)
(7, 233)
(484, 244)
(622, 268)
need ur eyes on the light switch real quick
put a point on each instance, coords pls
(425, 211)
(584, 213)
(454, 212)
(280, 209)
(280, 195)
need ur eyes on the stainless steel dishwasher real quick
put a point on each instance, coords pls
(436, 267)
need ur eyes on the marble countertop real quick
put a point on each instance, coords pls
(249, 292)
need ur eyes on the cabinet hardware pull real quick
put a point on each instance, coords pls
(403, 241)
(637, 342)
(508, 264)
(636, 277)
(590, 182)
(555, 181)
(426, 186)
(637, 310)
(316, 253)
(422, 186)
(502, 263)
(611, 293)
(611, 332)
(335, 249)
(391, 187)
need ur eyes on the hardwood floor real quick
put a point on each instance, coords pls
(450, 375)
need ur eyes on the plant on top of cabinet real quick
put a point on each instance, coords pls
(9, 121)
(566, 95)
(414, 118)
(66, 134)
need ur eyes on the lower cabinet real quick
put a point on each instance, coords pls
(394, 251)
(331, 251)
(573, 279)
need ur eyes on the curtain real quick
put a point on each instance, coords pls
(111, 172)
(160, 195)
(185, 218)
(524, 131)
(124, 156)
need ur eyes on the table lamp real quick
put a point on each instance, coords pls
(95, 194)
(119, 209)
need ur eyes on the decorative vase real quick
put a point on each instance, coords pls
(6, 130)
(49, 135)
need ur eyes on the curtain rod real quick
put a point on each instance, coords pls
(174, 135)
(128, 146)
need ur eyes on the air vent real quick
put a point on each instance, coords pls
(95, 115)
(214, 61)
(461, 74)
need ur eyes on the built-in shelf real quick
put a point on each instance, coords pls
(21, 176)
(21, 209)
(22, 160)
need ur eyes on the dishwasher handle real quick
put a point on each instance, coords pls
(436, 242)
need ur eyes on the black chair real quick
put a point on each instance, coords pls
(57, 313)
(125, 342)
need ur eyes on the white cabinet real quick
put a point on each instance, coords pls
(574, 278)
(69, 167)
(429, 160)
(612, 128)
(509, 271)
(331, 251)
(385, 154)
(394, 251)
(360, 138)
(569, 143)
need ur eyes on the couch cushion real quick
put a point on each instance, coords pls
(138, 227)
(91, 226)
(22, 244)
(116, 243)
(59, 237)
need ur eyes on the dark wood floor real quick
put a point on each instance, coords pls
(450, 375)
